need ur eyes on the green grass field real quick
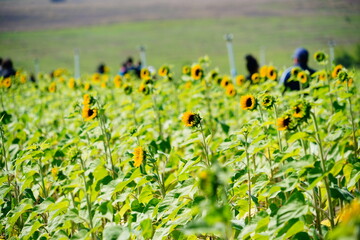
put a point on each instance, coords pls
(180, 41)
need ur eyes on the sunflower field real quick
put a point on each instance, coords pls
(186, 152)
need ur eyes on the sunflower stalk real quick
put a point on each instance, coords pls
(42, 178)
(205, 146)
(158, 116)
(352, 121)
(277, 130)
(248, 173)
(3, 155)
(1, 99)
(323, 166)
(317, 220)
(268, 149)
(87, 197)
(106, 142)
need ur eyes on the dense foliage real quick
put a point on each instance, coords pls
(183, 154)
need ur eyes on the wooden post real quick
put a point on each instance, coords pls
(76, 63)
(331, 51)
(143, 56)
(229, 37)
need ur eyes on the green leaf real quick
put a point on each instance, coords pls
(297, 136)
(147, 228)
(115, 232)
(297, 227)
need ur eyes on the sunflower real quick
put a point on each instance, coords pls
(255, 78)
(322, 76)
(343, 75)
(139, 156)
(145, 74)
(188, 85)
(88, 100)
(58, 72)
(54, 172)
(286, 122)
(186, 70)
(96, 78)
(164, 71)
(301, 110)
(295, 71)
(320, 57)
(272, 73)
(61, 79)
(225, 81)
(23, 79)
(248, 102)
(230, 90)
(52, 87)
(103, 84)
(213, 74)
(127, 89)
(7, 82)
(87, 86)
(264, 71)
(71, 83)
(240, 80)
(117, 81)
(88, 113)
(143, 88)
(303, 77)
(197, 72)
(267, 101)
(336, 70)
(191, 119)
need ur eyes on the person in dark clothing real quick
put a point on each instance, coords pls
(301, 57)
(101, 68)
(251, 65)
(7, 69)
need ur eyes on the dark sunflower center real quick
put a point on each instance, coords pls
(197, 72)
(191, 118)
(297, 110)
(267, 101)
(248, 102)
(271, 73)
(287, 122)
(90, 112)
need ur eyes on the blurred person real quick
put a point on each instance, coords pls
(7, 69)
(301, 57)
(101, 68)
(251, 65)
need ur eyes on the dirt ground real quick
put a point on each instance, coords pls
(26, 15)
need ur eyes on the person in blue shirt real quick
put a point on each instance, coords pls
(301, 57)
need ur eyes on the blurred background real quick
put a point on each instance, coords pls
(174, 32)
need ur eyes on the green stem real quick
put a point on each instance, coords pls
(352, 121)
(208, 104)
(205, 146)
(88, 200)
(4, 157)
(106, 143)
(158, 116)
(268, 149)
(318, 224)
(323, 166)
(42, 178)
(249, 177)
(277, 130)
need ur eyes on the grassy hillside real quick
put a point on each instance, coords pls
(180, 41)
